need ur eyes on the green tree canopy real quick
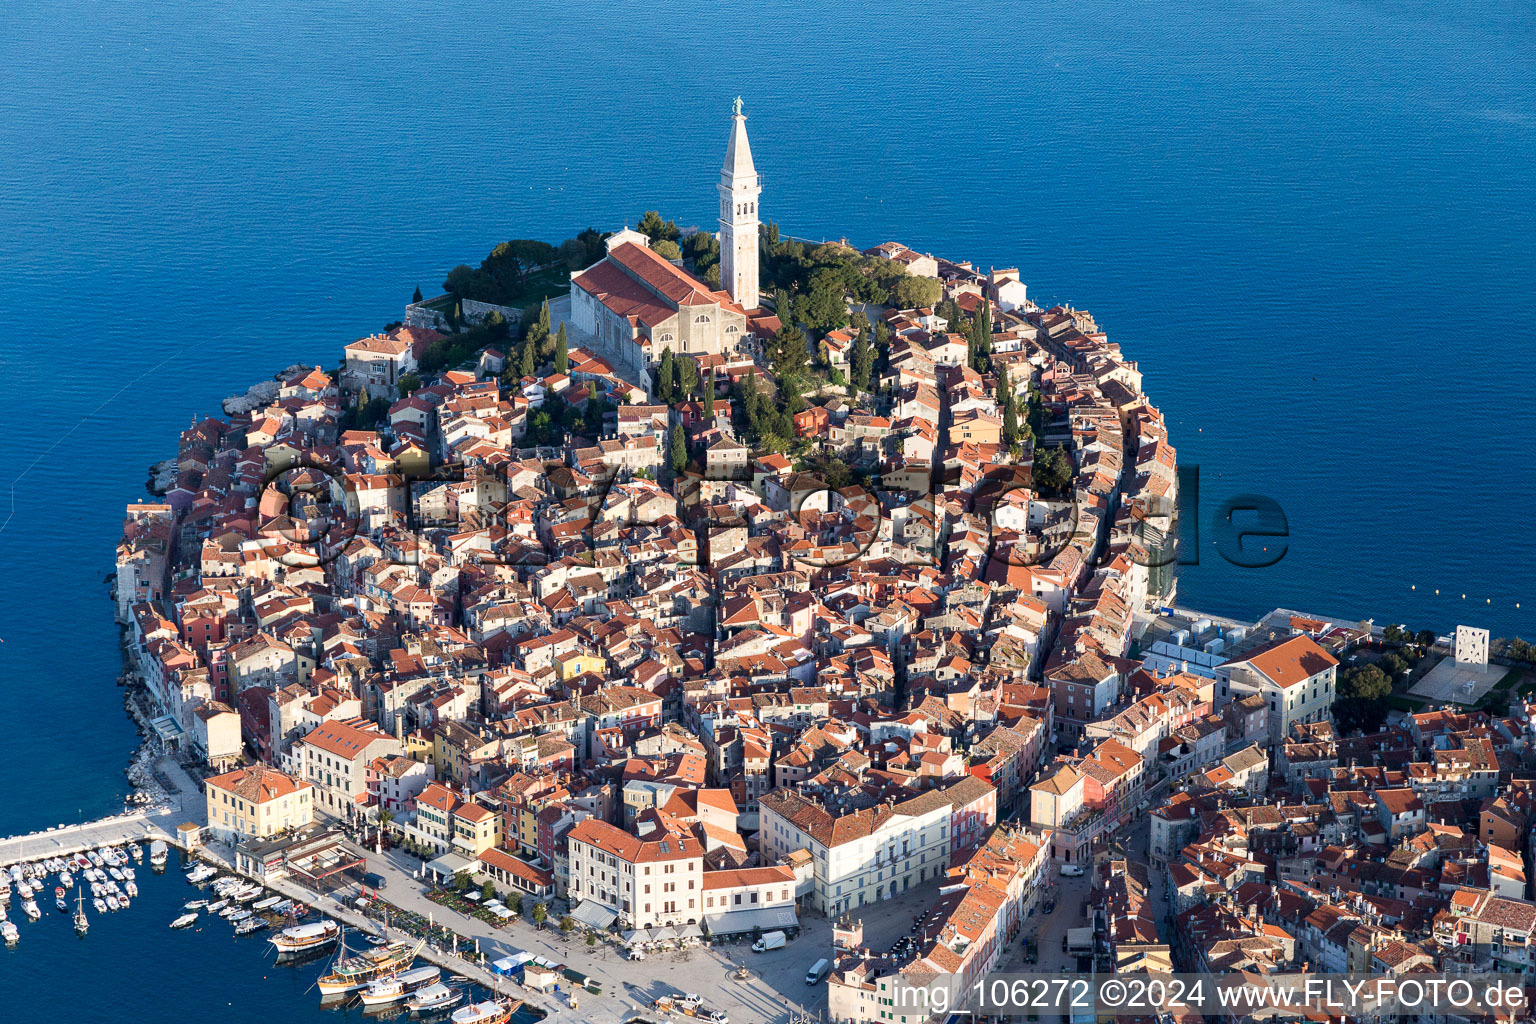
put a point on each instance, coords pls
(786, 352)
(667, 249)
(511, 262)
(653, 227)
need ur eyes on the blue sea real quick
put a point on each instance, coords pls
(1311, 224)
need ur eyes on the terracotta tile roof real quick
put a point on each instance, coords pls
(258, 784)
(1292, 662)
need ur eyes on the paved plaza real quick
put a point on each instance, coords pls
(1454, 682)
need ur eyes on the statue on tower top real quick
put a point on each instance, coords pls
(736, 107)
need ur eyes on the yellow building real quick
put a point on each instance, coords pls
(576, 663)
(257, 802)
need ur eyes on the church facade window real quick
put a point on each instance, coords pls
(702, 318)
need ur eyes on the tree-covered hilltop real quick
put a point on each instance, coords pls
(525, 271)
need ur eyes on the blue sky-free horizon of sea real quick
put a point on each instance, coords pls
(1311, 225)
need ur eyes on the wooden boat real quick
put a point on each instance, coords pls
(351, 973)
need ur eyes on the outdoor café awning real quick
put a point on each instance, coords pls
(662, 934)
(594, 915)
(738, 921)
(637, 935)
(690, 931)
(450, 864)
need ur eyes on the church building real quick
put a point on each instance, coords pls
(633, 304)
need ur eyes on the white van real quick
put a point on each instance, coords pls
(1071, 870)
(818, 972)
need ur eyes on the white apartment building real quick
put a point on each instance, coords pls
(861, 857)
(1295, 677)
(653, 882)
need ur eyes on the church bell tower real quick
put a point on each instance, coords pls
(739, 188)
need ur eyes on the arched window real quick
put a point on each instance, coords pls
(702, 318)
(731, 329)
(666, 339)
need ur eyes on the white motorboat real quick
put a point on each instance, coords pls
(100, 905)
(395, 987)
(158, 851)
(184, 920)
(240, 915)
(194, 905)
(31, 908)
(136, 851)
(269, 902)
(434, 998)
(214, 908)
(66, 879)
(488, 1012)
(133, 890)
(250, 924)
(9, 931)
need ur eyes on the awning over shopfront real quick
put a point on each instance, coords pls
(594, 915)
(737, 921)
(450, 864)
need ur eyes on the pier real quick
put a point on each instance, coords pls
(134, 827)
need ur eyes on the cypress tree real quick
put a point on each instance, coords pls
(863, 360)
(679, 449)
(562, 351)
(709, 394)
(666, 376)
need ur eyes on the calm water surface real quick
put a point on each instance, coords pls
(1313, 227)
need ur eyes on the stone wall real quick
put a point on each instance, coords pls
(475, 312)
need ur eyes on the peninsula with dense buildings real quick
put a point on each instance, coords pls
(757, 585)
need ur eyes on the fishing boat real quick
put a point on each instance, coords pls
(136, 851)
(250, 924)
(58, 899)
(157, 852)
(100, 905)
(194, 905)
(349, 974)
(240, 915)
(299, 938)
(31, 908)
(214, 908)
(133, 890)
(9, 930)
(184, 920)
(434, 998)
(488, 1012)
(394, 987)
(201, 873)
(267, 904)
(66, 879)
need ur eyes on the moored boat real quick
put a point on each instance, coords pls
(351, 973)
(300, 938)
(184, 920)
(434, 998)
(250, 924)
(394, 987)
(9, 930)
(488, 1012)
(31, 909)
(266, 904)
(157, 852)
